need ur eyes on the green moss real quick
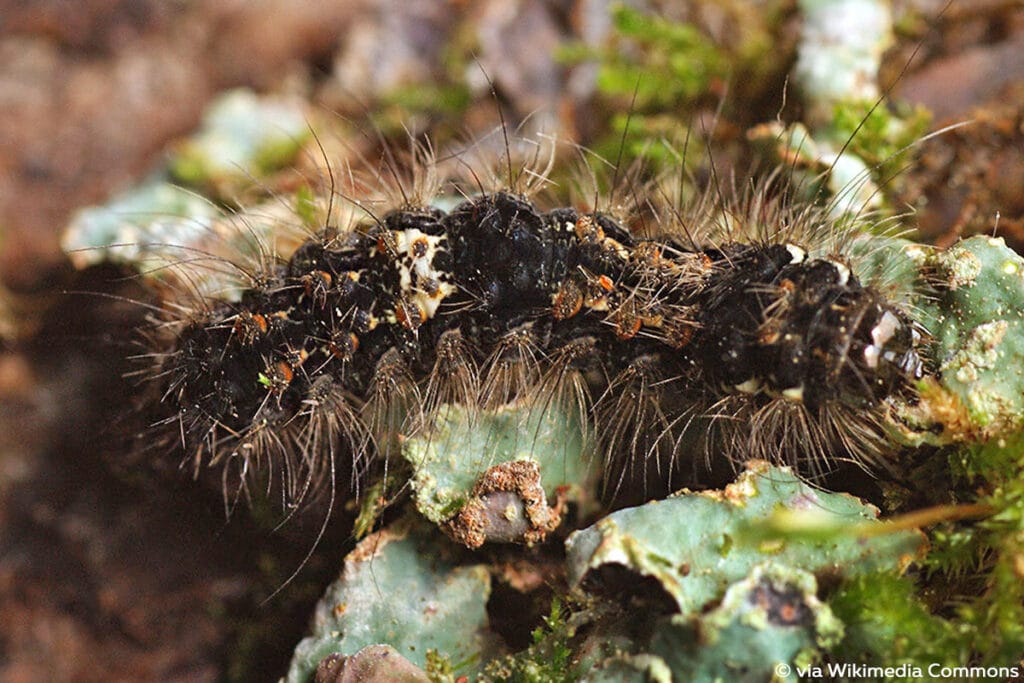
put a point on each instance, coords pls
(968, 604)
(656, 69)
(372, 505)
(439, 667)
(886, 623)
(307, 207)
(677, 62)
(450, 99)
(547, 660)
(881, 137)
(987, 558)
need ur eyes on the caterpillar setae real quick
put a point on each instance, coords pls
(733, 329)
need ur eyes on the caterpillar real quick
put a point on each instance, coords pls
(733, 329)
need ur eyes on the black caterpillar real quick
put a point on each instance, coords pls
(749, 345)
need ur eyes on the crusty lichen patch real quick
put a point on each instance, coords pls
(956, 267)
(507, 505)
(488, 475)
(974, 313)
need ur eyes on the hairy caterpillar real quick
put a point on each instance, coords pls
(735, 329)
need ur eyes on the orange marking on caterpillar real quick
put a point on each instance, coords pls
(568, 301)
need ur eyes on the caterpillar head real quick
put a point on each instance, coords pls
(808, 331)
(837, 340)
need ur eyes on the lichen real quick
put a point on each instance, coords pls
(694, 544)
(974, 311)
(243, 138)
(465, 461)
(442, 605)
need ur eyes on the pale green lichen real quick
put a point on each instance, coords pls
(441, 606)
(137, 226)
(243, 138)
(739, 565)
(169, 233)
(980, 353)
(849, 143)
(841, 47)
(694, 544)
(974, 311)
(772, 617)
(461, 447)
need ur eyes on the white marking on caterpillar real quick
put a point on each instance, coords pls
(843, 269)
(417, 268)
(794, 394)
